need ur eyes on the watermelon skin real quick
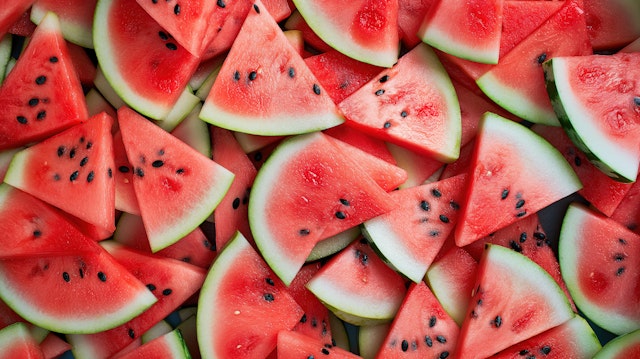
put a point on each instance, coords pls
(597, 262)
(263, 69)
(242, 305)
(16, 342)
(624, 346)
(147, 70)
(60, 101)
(413, 105)
(73, 171)
(174, 197)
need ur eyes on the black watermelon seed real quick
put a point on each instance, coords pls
(405, 345)
(424, 205)
(102, 277)
(620, 271)
(270, 281)
(34, 102)
(303, 319)
(176, 9)
(434, 233)
(72, 153)
(515, 246)
(53, 59)
(384, 79)
(304, 232)
(236, 203)
(292, 72)
(618, 257)
(221, 4)
(139, 172)
(22, 120)
(432, 321)
(151, 287)
(545, 350)
(132, 334)
(310, 357)
(256, 8)
(541, 58)
(523, 237)
(161, 152)
(236, 76)
(154, 1)
(539, 235)
(577, 161)
(82, 139)
(61, 150)
(444, 355)
(167, 291)
(74, 176)
(90, 176)
(89, 145)
(521, 214)
(428, 341)
(524, 352)
(387, 124)
(171, 46)
(163, 35)
(520, 204)
(454, 205)
(504, 194)
(66, 277)
(37, 233)
(325, 351)
(109, 172)
(84, 161)
(124, 169)
(497, 321)
(268, 297)
(157, 163)
(622, 241)
(444, 219)
(364, 258)
(180, 171)
(436, 193)
(404, 114)
(56, 177)
(252, 75)
(340, 215)
(316, 89)
(380, 92)
(441, 339)
(344, 201)
(40, 80)
(81, 272)
(636, 100)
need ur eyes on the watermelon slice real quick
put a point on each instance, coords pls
(412, 104)
(73, 171)
(76, 18)
(467, 29)
(242, 305)
(612, 23)
(264, 70)
(295, 345)
(507, 308)
(597, 262)
(371, 338)
(146, 67)
(23, 26)
(177, 187)
(125, 200)
(92, 291)
(410, 16)
(517, 82)
(628, 211)
(17, 342)
(50, 97)
(599, 107)
(305, 192)
(168, 346)
(366, 30)
(514, 173)
(624, 346)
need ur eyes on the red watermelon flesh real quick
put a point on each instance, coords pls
(422, 328)
(628, 211)
(362, 141)
(32, 228)
(169, 280)
(11, 13)
(315, 320)
(410, 16)
(231, 215)
(602, 191)
(339, 74)
(612, 23)
(462, 164)
(23, 26)
(170, 345)
(16, 342)
(47, 80)
(292, 344)
(73, 171)
(84, 66)
(53, 346)
(76, 18)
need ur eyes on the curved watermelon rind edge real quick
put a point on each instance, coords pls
(616, 346)
(616, 164)
(614, 322)
(72, 32)
(333, 244)
(451, 46)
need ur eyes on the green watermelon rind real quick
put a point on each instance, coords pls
(580, 126)
(452, 45)
(176, 344)
(333, 244)
(73, 32)
(13, 335)
(371, 338)
(617, 323)
(617, 346)
(5, 54)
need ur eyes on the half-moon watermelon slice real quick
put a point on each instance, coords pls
(366, 30)
(264, 86)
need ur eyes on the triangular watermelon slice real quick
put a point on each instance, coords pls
(292, 344)
(306, 191)
(11, 12)
(50, 97)
(177, 187)
(264, 70)
(513, 299)
(514, 173)
(76, 18)
(168, 346)
(73, 171)
(17, 342)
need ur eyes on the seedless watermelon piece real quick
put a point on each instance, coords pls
(612, 23)
(145, 66)
(73, 171)
(597, 260)
(50, 97)
(176, 186)
(513, 299)
(296, 345)
(419, 168)
(17, 342)
(517, 82)
(514, 173)
(599, 108)
(366, 30)
(466, 29)
(410, 16)
(624, 346)
(412, 104)
(628, 211)
(167, 346)
(306, 191)
(76, 18)
(265, 88)
(92, 292)
(242, 305)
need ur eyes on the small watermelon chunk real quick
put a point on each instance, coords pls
(50, 98)
(11, 13)
(264, 70)
(628, 211)
(514, 173)
(176, 186)
(305, 192)
(17, 342)
(513, 299)
(612, 23)
(73, 171)
(624, 346)
(76, 18)
(243, 305)
(597, 259)
(295, 345)
(168, 346)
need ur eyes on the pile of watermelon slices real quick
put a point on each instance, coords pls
(284, 179)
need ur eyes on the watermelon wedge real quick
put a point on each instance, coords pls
(366, 30)
(76, 18)
(167, 346)
(264, 70)
(624, 346)
(295, 345)
(11, 13)
(50, 97)
(17, 342)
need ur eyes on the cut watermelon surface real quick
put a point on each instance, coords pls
(17, 342)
